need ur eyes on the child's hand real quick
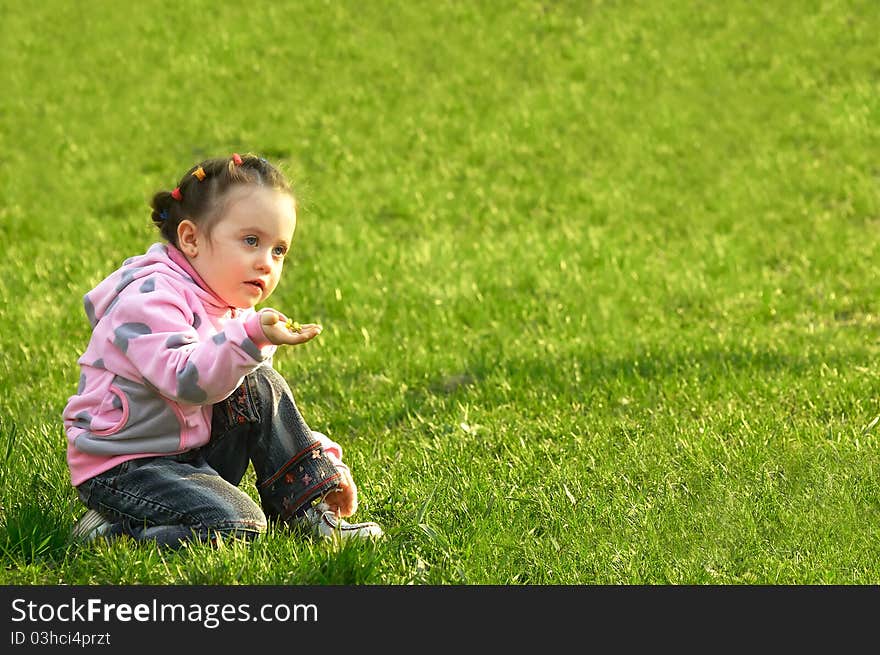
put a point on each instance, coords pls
(343, 500)
(280, 331)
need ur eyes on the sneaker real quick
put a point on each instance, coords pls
(323, 522)
(90, 526)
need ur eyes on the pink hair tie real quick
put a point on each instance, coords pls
(176, 194)
(236, 158)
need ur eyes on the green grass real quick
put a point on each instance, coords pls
(599, 280)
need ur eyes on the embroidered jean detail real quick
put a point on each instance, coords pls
(306, 476)
(238, 409)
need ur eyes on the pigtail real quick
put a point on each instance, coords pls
(164, 217)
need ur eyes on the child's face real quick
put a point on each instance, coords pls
(242, 259)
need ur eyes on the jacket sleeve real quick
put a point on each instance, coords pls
(156, 332)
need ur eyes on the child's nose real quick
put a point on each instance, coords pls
(264, 260)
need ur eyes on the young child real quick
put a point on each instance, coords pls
(177, 393)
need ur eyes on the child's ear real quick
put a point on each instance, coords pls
(187, 238)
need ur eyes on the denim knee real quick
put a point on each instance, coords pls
(241, 516)
(268, 386)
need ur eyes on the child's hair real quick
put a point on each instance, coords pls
(199, 193)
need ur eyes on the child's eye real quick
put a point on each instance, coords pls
(251, 240)
(279, 251)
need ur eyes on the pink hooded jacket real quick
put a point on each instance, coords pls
(163, 350)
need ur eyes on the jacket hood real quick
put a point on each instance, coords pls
(160, 259)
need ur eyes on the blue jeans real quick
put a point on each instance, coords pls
(195, 495)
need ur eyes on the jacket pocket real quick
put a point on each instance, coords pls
(135, 420)
(112, 414)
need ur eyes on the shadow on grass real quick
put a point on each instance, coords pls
(572, 374)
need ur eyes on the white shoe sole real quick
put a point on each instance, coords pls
(323, 522)
(91, 525)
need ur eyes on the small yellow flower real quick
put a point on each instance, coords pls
(293, 326)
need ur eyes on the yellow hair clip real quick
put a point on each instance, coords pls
(199, 173)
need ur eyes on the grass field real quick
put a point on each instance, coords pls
(599, 280)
